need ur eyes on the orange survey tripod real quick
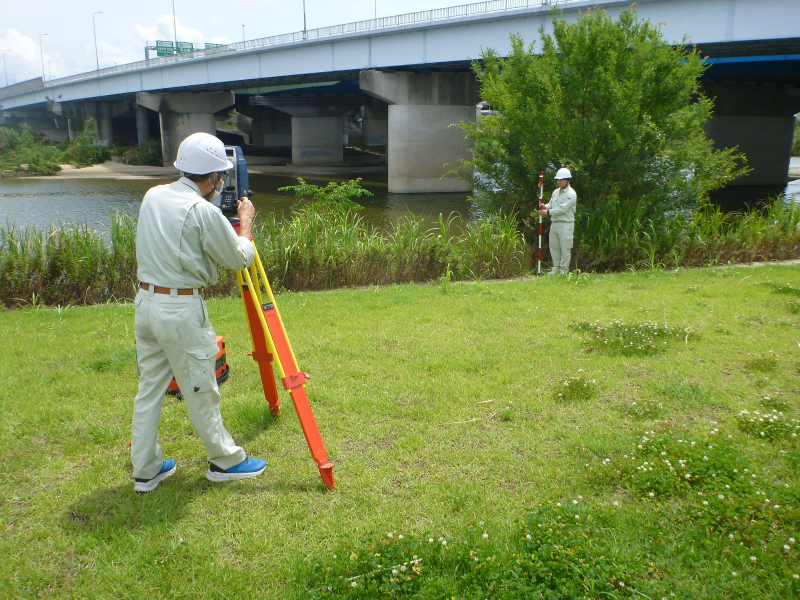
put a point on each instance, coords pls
(270, 344)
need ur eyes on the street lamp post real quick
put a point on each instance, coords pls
(49, 71)
(94, 29)
(376, 9)
(175, 26)
(41, 51)
(242, 31)
(305, 30)
(5, 69)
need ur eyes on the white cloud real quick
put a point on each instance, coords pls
(22, 58)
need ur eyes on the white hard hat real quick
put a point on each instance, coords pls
(202, 153)
(563, 174)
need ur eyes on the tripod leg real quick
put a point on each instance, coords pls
(270, 328)
(294, 381)
(261, 352)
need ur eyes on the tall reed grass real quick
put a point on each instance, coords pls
(313, 250)
(309, 250)
(617, 239)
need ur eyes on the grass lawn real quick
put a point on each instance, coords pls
(440, 408)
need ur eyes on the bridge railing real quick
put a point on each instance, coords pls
(425, 16)
(23, 86)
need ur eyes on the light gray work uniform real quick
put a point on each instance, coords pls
(180, 239)
(562, 227)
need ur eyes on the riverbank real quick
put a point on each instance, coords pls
(116, 169)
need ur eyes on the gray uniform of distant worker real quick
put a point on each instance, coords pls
(561, 210)
(180, 239)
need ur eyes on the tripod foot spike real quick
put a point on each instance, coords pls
(326, 471)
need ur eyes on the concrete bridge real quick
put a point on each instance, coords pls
(407, 78)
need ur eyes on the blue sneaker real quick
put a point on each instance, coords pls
(249, 467)
(168, 468)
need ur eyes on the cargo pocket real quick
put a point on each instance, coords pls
(202, 363)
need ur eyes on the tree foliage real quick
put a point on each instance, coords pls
(611, 100)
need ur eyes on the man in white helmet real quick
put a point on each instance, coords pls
(180, 239)
(561, 210)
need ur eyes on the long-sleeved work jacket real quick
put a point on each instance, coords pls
(562, 205)
(181, 238)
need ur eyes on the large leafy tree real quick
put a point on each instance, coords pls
(610, 99)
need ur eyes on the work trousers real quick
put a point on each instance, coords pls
(561, 234)
(174, 336)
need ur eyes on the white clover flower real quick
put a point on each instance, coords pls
(353, 584)
(791, 540)
(395, 572)
(721, 497)
(444, 542)
(577, 516)
(390, 534)
(753, 559)
(705, 502)
(400, 537)
(574, 501)
(795, 575)
(403, 568)
(734, 573)
(651, 494)
(787, 547)
(485, 535)
(529, 536)
(430, 540)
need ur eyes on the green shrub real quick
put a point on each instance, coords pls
(148, 153)
(22, 154)
(85, 150)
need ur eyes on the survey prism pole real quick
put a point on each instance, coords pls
(541, 196)
(271, 345)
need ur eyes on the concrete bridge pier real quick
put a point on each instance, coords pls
(318, 126)
(181, 114)
(271, 128)
(317, 141)
(422, 144)
(142, 125)
(375, 128)
(759, 119)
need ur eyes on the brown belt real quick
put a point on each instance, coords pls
(164, 290)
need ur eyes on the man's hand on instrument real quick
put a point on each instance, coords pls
(245, 208)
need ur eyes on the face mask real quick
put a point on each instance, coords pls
(217, 191)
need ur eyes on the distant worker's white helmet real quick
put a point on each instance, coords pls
(563, 174)
(202, 153)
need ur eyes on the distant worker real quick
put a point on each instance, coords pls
(561, 210)
(180, 239)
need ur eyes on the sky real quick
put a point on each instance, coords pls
(124, 27)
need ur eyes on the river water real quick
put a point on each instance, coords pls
(44, 201)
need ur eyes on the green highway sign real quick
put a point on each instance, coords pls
(185, 47)
(164, 48)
